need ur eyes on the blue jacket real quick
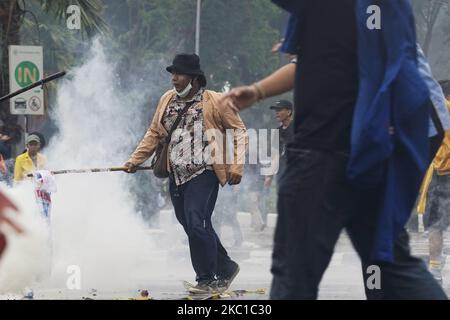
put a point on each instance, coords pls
(436, 94)
(389, 140)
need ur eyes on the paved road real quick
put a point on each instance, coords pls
(343, 279)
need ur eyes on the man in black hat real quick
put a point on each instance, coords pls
(284, 114)
(194, 174)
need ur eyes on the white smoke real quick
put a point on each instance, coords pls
(93, 221)
(27, 256)
(94, 226)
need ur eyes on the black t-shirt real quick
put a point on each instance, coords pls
(285, 136)
(326, 84)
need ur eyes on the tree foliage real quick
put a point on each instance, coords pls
(427, 13)
(236, 36)
(42, 22)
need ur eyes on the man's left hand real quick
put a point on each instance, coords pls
(234, 178)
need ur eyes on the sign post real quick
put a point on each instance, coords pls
(25, 68)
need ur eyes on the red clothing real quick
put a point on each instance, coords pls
(6, 203)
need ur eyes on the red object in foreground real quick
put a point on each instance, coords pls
(2, 165)
(2, 243)
(6, 203)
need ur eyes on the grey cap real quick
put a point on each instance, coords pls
(33, 138)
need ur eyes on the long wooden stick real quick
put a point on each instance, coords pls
(113, 169)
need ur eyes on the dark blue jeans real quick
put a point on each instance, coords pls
(194, 204)
(315, 203)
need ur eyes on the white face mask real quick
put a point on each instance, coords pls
(185, 91)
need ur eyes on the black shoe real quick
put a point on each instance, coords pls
(204, 287)
(224, 282)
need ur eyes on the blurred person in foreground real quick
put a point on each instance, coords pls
(5, 220)
(360, 147)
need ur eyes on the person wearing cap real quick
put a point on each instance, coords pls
(283, 112)
(434, 198)
(194, 184)
(31, 160)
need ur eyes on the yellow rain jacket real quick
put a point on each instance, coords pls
(24, 165)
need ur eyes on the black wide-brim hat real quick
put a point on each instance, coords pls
(189, 64)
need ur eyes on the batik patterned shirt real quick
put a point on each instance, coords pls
(186, 148)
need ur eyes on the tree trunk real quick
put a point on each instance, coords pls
(432, 16)
(10, 27)
(427, 41)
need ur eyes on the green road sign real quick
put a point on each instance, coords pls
(26, 68)
(26, 73)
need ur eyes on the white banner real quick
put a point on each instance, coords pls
(25, 68)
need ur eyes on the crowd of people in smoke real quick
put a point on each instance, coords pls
(353, 157)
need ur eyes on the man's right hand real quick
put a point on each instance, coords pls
(130, 168)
